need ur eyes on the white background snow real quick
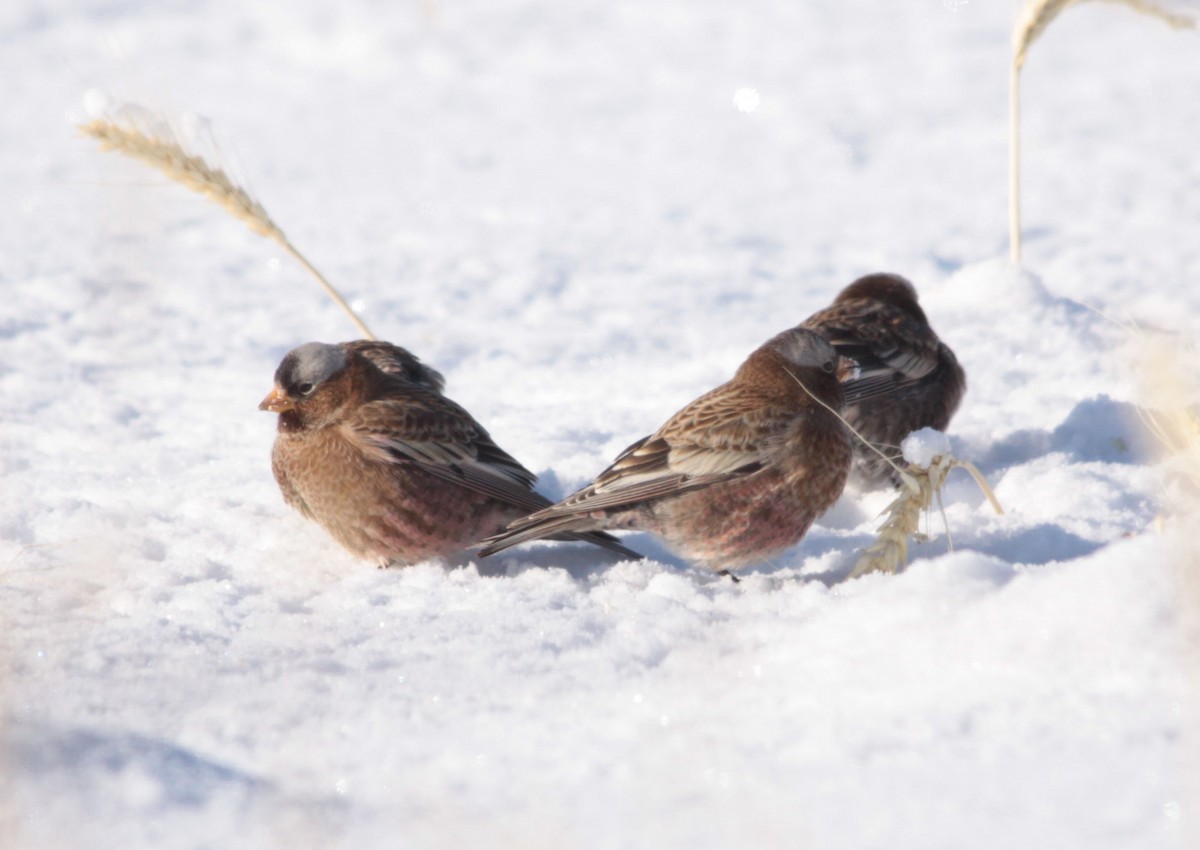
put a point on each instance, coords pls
(585, 214)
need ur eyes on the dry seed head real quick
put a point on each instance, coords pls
(889, 552)
(1169, 411)
(1168, 395)
(1036, 15)
(1031, 22)
(169, 157)
(920, 486)
(148, 137)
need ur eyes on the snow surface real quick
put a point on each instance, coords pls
(584, 215)
(922, 446)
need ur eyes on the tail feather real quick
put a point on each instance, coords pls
(603, 539)
(568, 527)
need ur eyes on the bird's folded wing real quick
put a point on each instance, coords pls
(892, 350)
(904, 362)
(888, 371)
(439, 437)
(861, 389)
(716, 438)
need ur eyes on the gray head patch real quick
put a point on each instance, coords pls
(804, 347)
(312, 363)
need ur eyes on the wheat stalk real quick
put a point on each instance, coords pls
(1036, 15)
(1170, 382)
(1031, 22)
(164, 150)
(1166, 414)
(921, 485)
(1178, 431)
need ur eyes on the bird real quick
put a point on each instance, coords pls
(368, 447)
(907, 378)
(733, 478)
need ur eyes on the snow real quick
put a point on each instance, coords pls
(585, 215)
(922, 446)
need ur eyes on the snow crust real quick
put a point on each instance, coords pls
(585, 215)
(921, 447)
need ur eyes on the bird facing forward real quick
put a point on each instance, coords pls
(733, 478)
(907, 379)
(369, 448)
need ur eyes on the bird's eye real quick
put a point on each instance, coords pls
(828, 366)
(305, 388)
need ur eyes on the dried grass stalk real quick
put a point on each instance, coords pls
(1170, 389)
(1036, 15)
(920, 486)
(1178, 431)
(163, 150)
(1032, 21)
(1168, 411)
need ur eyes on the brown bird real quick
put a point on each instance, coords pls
(368, 447)
(907, 379)
(734, 477)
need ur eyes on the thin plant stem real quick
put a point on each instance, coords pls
(168, 155)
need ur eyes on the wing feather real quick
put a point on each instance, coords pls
(885, 341)
(716, 438)
(437, 436)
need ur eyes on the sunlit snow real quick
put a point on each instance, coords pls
(566, 210)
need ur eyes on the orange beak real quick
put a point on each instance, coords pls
(276, 401)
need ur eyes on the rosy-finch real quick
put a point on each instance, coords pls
(907, 378)
(733, 478)
(368, 447)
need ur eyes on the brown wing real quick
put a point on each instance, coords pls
(724, 434)
(415, 426)
(892, 348)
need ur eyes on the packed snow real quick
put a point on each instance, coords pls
(585, 215)
(921, 447)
